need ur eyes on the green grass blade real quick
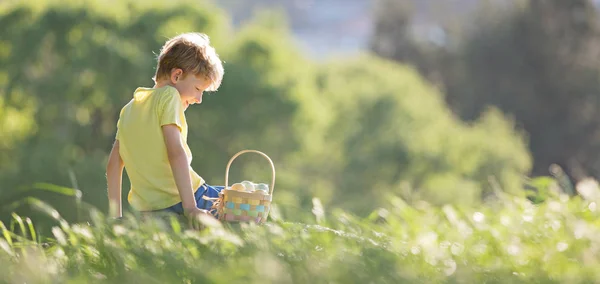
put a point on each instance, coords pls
(19, 221)
(56, 189)
(32, 232)
(6, 234)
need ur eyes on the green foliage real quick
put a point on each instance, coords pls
(509, 241)
(393, 133)
(538, 189)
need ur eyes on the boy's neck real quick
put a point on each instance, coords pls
(162, 83)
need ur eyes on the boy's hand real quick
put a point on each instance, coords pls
(193, 215)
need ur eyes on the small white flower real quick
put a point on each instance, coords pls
(513, 250)
(478, 217)
(505, 220)
(450, 267)
(428, 239)
(415, 250)
(554, 206)
(580, 230)
(457, 249)
(588, 188)
(562, 246)
(592, 206)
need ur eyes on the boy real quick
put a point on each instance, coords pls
(151, 139)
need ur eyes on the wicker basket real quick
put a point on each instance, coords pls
(238, 206)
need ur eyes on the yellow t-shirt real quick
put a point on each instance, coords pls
(142, 147)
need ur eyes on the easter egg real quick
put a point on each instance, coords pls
(248, 185)
(238, 187)
(263, 187)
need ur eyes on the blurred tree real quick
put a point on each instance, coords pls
(432, 50)
(542, 65)
(392, 133)
(537, 61)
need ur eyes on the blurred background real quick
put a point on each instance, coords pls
(443, 101)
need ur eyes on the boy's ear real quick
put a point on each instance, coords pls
(176, 74)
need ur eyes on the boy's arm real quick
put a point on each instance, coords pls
(180, 167)
(114, 178)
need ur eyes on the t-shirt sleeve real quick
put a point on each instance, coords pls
(170, 110)
(119, 123)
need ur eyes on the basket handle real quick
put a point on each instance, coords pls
(251, 151)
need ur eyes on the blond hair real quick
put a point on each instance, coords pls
(192, 53)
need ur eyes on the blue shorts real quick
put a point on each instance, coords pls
(203, 190)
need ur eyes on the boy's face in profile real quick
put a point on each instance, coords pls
(191, 88)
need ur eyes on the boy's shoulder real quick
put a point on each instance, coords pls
(154, 97)
(157, 93)
(151, 97)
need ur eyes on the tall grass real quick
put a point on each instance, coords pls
(509, 240)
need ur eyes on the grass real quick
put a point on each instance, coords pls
(509, 240)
